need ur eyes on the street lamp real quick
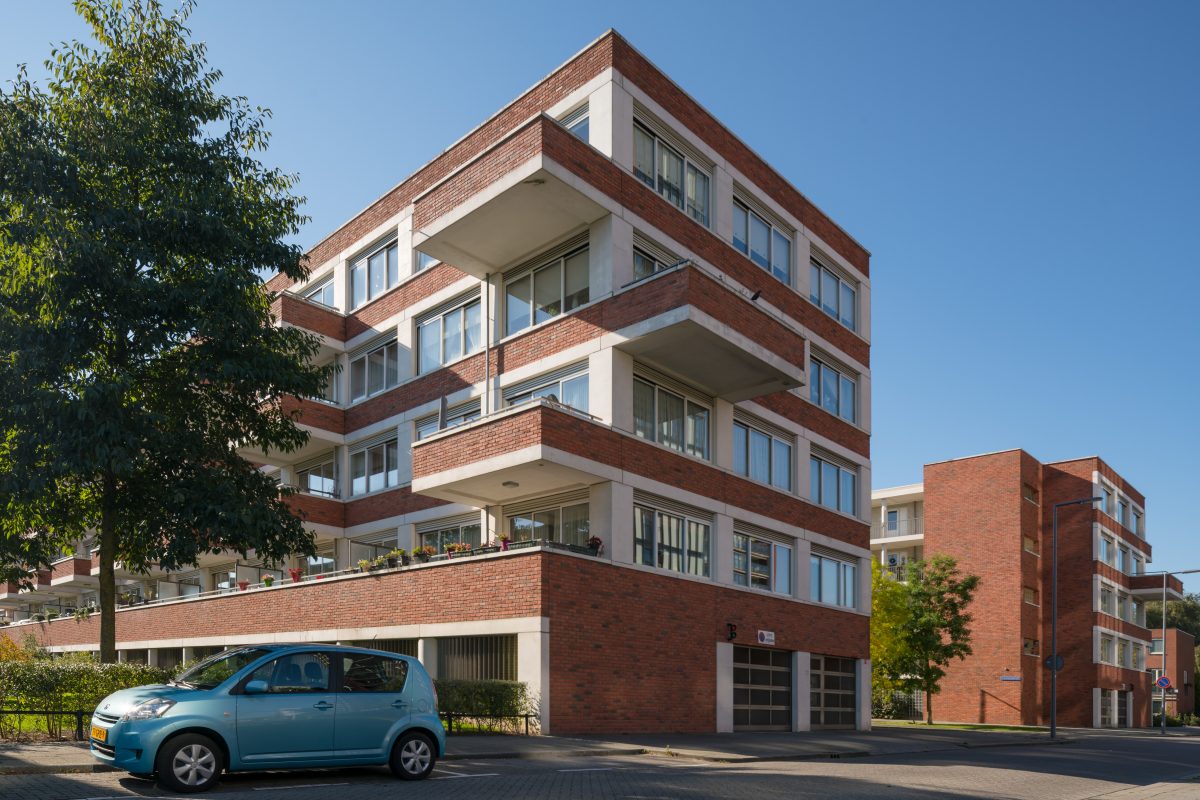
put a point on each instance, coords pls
(1053, 661)
(1162, 711)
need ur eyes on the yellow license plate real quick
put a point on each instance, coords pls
(99, 734)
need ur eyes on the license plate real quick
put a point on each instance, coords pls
(99, 734)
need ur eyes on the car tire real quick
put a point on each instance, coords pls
(413, 756)
(189, 763)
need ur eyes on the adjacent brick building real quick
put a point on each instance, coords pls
(993, 514)
(1180, 657)
(601, 326)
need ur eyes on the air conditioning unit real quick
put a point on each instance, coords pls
(897, 560)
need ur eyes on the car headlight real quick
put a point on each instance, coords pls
(149, 709)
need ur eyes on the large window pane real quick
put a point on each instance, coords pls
(520, 528)
(393, 464)
(575, 392)
(760, 456)
(643, 410)
(741, 238)
(829, 390)
(391, 363)
(430, 336)
(781, 465)
(670, 420)
(829, 293)
(452, 335)
(781, 257)
(697, 549)
(846, 501)
(814, 474)
(547, 292)
(814, 578)
(358, 473)
(393, 267)
(376, 468)
(783, 569)
(829, 485)
(378, 270)
(849, 581)
(846, 403)
(847, 306)
(358, 283)
(814, 283)
(829, 580)
(741, 463)
(545, 525)
(576, 287)
(643, 536)
(375, 372)
(473, 337)
(516, 303)
(760, 241)
(358, 379)
(643, 156)
(670, 542)
(697, 195)
(697, 430)
(643, 265)
(575, 527)
(670, 175)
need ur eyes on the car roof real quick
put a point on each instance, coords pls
(339, 648)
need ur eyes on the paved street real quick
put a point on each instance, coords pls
(1112, 767)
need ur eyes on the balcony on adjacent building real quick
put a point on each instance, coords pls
(505, 203)
(73, 572)
(905, 530)
(328, 323)
(323, 421)
(1150, 587)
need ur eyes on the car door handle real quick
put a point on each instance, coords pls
(399, 704)
(323, 705)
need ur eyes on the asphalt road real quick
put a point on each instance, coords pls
(1113, 767)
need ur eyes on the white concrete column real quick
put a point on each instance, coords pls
(863, 722)
(722, 441)
(801, 698)
(152, 657)
(620, 390)
(803, 573)
(533, 669)
(492, 519)
(803, 279)
(620, 256)
(725, 687)
(189, 655)
(406, 339)
(341, 552)
(404, 437)
(864, 584)
(407, 258)
(723, 548)
(863, 398)
(722, 203)
(427, 654)
(601, 257)
(406, 537)
(620, 114)
(600, 119)
(803, 468)
(493, 331)
(621, 535)
(600, 384)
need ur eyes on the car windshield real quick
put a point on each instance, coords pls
(213, 670)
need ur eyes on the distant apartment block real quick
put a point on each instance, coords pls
(993, 513)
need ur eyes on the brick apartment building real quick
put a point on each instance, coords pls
(993, 513)
(598, 314)
(1181, 671)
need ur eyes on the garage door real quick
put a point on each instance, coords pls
(762, 689)
(833, 692)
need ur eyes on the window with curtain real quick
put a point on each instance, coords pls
(572, 391)
(834, 295)
(762, 456)
(833, 581)
(833, 485)
(322, 294)
(564, 524)
(540, 294)
(766, 244)
(375, 372)
(449, 336)
(670, 419)
(453, 534)
(373, 274)
(833, 390)
(677, 178)
(375, 468)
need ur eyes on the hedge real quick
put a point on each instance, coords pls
(486, 700)
(49, 685)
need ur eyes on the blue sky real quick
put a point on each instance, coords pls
(1025, 174)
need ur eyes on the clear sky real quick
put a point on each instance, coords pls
(1025, 174)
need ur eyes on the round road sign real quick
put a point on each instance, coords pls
(1163, 683)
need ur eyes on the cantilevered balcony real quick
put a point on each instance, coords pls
(519, 452)
(73, 573)
(324, 423)
(504, 204)
(1150, 587)
(328, 323)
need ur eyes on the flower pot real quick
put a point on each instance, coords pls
(405, 561)
(242, 585)
(268, 581)
(391, 562)
(296, 575)
(503, 545)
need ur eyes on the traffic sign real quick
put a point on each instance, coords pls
(1054, 663)
(1163, 683)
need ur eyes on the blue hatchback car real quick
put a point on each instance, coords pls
(274, 707)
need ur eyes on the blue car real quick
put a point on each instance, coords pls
(274, 707)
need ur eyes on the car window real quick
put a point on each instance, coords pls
(370, 673)
(296, 672)
(215, 669)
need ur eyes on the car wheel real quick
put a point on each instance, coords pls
(413, 757)
(189, 763)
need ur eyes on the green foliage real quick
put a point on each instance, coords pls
(486, 700)
(137, 345)
(49, 685)
(1183, 614)
(925, 626)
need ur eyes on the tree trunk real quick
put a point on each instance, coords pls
(108, 580)
(928, 707)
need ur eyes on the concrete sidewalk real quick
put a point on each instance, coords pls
(67, 757)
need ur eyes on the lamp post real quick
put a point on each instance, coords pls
(1162, 690)
(1054, 665)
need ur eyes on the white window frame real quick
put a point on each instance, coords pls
(654, 556)
(557, 510)
(459, 415)
(688, 446)
(391, 468)
(778, 581)
(690, 166)
(361, 267)
(578, 119)
(391, 378)
(423, 261)
(324, 286)
(846, 596)
(773, 440)
(817, 269)
(817, 479)
(773, 231)
(445, 358)
(816, 394)
(532, 273)
(302, 483)
(556, 392)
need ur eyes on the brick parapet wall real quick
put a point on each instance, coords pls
(570, 433)
(297, 311)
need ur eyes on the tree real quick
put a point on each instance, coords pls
(935, 629)
(1183, 614)
(137, 346)
(889, 616)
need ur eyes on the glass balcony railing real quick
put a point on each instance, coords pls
(903, 527)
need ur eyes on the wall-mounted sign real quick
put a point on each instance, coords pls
(1010, 677)
(766, 637)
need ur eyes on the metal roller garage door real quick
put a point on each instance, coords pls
(833, 685)
(762, 689)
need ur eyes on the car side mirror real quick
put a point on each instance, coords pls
(256, 687)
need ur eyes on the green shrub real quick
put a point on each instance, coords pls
(46, 685)
(485, 701)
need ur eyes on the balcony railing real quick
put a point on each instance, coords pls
(904, 527)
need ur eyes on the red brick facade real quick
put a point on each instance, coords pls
(1181, 670)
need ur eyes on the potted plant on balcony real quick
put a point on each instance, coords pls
(268, 580)
(363, 565)
(503, 539)
(296, 574)
(397, 557)
(595, 544)
(243, 585)
(38, 617)
(52, 613)
(423, 554)
(456, 548)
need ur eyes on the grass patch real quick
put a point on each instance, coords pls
(955, 726)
